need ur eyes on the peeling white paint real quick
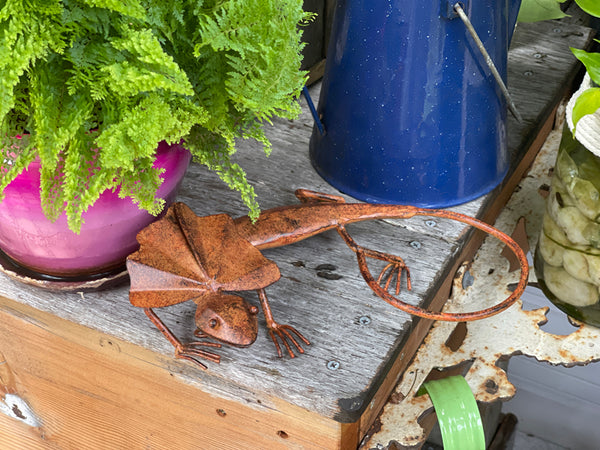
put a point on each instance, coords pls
(15, 407)
(512, 331)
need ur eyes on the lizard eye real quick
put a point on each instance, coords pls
(253, 310)
(213, 323)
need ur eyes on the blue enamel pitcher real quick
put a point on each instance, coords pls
(409, 110)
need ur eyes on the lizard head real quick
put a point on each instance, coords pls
(227, 318)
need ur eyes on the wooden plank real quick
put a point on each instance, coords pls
(371, 354)
(90, 390)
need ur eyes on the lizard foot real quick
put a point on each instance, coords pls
(284, 333)
(191, 352)
(392, 270)
(188, 351)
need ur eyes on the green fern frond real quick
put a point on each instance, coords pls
(147, 68)
(131, 8)
(57, 116)
(263, 76)
(83, 179)
(214, 151)
(141, 186)
(137, 133)
(52, 192)
(24, 38)
(16, 153)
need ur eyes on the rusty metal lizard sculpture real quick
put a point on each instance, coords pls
(185, 257)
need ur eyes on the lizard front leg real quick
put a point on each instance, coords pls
(189, 351)
(283, 332)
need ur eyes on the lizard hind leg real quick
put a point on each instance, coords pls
(308, 196)
(189, 351)
(394, 268)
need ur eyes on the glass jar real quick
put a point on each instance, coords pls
(567, 259)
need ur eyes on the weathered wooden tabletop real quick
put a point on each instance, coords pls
(356, 337)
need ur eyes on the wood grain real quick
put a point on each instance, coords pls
(94, 391)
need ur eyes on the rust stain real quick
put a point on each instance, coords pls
(566, 355)
(544, 190)
(396, 398)
(491, 387)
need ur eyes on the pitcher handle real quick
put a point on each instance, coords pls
(313, 111)
(488, 60)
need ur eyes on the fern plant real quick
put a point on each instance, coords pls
(95, 85)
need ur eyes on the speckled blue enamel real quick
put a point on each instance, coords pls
(412, 114)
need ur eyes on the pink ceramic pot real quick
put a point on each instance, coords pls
(107, 236)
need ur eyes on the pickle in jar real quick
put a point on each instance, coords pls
(553, 232)
(591, 233)
(585, 196)
(565, 167)
(593, 267)
(551, 252)
(576, 265)
(568, 218)
(568, 289)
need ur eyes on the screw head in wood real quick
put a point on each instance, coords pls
(333, 365)
(364, 320)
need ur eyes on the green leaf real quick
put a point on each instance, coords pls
(536, 10)
(587, 103)
(147, 67)
(57, 116)
(15, 155)
(591, 61)
(130, 8)
(590, 6)
(141, 186)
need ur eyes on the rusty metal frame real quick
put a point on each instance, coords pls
(514, 331)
